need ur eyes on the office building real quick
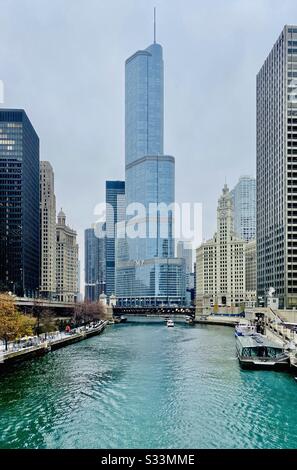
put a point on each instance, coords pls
(184, 250)
(244, 205)
(115, 213)
(19, 204)
(220, 265)
(95, 265)
(277, 171)
(251, 273)
(66, 261)
(47, 231)
(79, 296)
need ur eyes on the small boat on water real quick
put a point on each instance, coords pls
(120, 319)
(189, 320)
(245, 328)
(170, 323)
(258, 352)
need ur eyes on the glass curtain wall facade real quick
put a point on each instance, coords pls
(95, 266)
(19, 204)
(115, 212)
(147, 272)
(277, 171)
(244, 205)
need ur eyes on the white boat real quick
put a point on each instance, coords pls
(245, 328)
(258, 352)
(170, 323)
(189, 320)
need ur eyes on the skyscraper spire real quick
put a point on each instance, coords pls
(154, 25)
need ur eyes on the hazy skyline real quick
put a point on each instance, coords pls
(63, 62)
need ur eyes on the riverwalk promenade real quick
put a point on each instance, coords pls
(216, 319)
(35, 346)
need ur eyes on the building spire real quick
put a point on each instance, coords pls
(155, 28)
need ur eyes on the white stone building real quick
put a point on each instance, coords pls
(220, 265)
(66, 261)
(47, 231)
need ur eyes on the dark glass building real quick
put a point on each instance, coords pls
(19, 204)
(95, 265)
(115, 212)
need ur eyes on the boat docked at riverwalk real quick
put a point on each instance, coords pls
(170, 323)
(245, 328)
(258, 352)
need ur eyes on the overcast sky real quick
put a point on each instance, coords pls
(63, 62)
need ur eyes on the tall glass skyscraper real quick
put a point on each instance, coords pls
(19, 204)
(115, 212)
(244, 207)
(147, 272)
(95, 265)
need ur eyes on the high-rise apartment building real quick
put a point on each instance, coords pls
(147, 272)
(95, 265)
(19, 204)
(220, 264)
(47, 231)
(277, 171)
(66, 261)
(244, 206)
(115, 213)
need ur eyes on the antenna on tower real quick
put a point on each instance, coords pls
(155, 25)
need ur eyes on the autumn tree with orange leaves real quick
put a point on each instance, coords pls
(13, 324)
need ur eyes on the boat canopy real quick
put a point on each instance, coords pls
(256, 341)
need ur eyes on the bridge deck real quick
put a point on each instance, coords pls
(156, 311)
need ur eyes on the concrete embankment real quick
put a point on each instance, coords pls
(23, 354)
(52, 344)
(217, 320)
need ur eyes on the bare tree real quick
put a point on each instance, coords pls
(86, 312)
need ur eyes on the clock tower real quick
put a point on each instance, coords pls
(220, 264)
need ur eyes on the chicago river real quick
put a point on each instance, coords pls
(143, 385)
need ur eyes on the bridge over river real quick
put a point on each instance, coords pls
(154, 311)
(27, 305)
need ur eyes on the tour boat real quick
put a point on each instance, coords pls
(189, 320)
(170, 323)
(245, 328)
(258, 352)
